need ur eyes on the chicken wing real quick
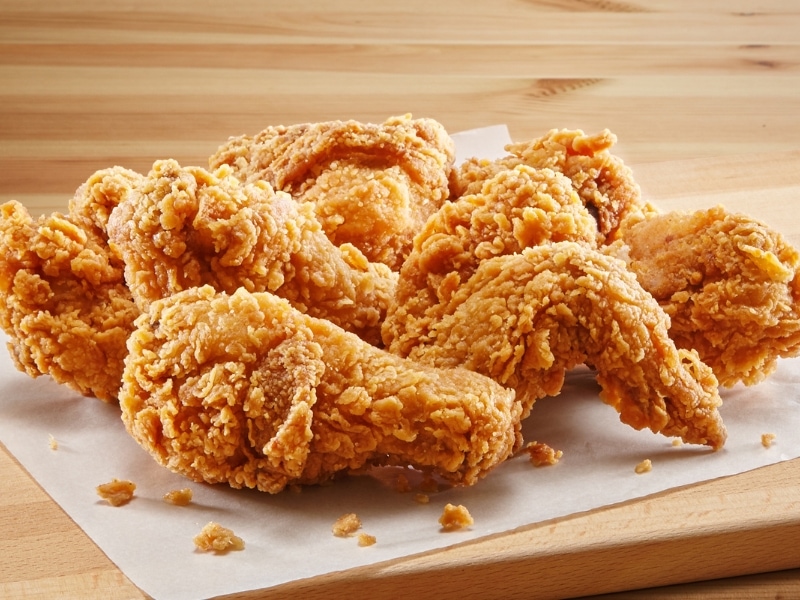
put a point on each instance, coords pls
(63, 302)
(729, 284)
(245, 389)
(524, 319)
(602, 180)
(372, 185)
(514, 209)
(186, 227)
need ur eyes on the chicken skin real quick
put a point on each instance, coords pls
(524, 319)
(604, 183)
(372, 185)
(512, 210)
(63, 299)
(243, 388)
(729, 284)
(186, 227)
(63, 302)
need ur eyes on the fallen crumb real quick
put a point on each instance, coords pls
(346, 525)
(542, 455)
(644, 467)
(677, 442)
(364, 539)
(455, 517)
(401, 484)
(767, 439)
(53, 443)
(117, 492)
(422, 498)
(216, 538)
(179, 497)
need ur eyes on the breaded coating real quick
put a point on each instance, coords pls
(63, 302)
(372, 185)
(602, 180)
(187, 227)
(218, 539)
(247, 390)
(729, 284)
(94, 200)
(525, 319)
(515, 209)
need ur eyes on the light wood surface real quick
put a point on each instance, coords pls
(704, 97)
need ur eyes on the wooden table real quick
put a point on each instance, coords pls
(704, 97)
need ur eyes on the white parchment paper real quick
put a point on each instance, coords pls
(288, 536)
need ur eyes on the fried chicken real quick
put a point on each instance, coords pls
(524, 319)
(245, 389)
(94, 200)
(63, 302)
(729, 284)
(372, 185)
(514, 209)
(602, 180)
(187, 227)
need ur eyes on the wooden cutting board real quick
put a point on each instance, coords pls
(749, 523)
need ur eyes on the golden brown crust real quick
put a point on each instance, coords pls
(92, 204)
(525, 319)
(247, 390)
(602, 180)
(729, 284)
(187, 227)
(63, 302)
(372, 185)
(514, 209)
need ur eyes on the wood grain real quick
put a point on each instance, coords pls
(702, 95)
(89, 83)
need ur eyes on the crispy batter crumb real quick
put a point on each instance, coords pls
(542, 455)
(422, 498)
(216, 538)
(346, 525)
(644, 467)
(401, 484)
(364, 539)
(179, 497)
(677, 442)
(53, 443)
(455, 517)
(767, 439)
(116, 491)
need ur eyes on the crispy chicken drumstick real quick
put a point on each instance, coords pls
(247, 390)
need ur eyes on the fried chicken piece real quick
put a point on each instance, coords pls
(729, 284)
(247, 390)
(63, 302)
(515, 209)
(187, 227)
(372, 185)
(525, 319)
(602, 180)
(94, 200)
